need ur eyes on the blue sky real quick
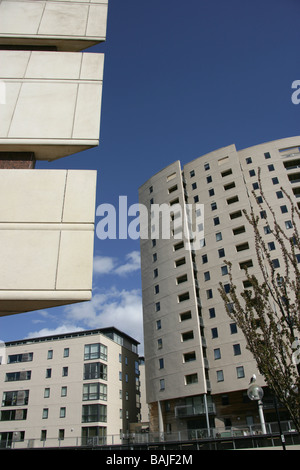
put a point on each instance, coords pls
(180, 80)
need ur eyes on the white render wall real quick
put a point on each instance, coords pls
(52, 102)
(46, 238)
(66, 24)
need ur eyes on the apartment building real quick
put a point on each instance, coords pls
(50, 108)
(69, 390)
(197, 365)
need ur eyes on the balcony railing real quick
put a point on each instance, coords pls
(189, 410)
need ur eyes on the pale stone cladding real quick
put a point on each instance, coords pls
(50, 107)
(195, 355)
(70, 389)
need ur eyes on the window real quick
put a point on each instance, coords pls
(275, 180)
(212, 312)
(271, 167)
(178, 246)
(288, 224)
(161, 363)
(251, 173)
(209, 294)
(207, 276)
(95, 370)
(156, 289)
(204, 259)
(211, 192)
(180, 262)
(194, 186)
(185, 316)
(232, 200)
(226, 173)
(248, 160)
(218, 236)
(229, 186)
(18, 397)
(171, 176)
(255, 185)
(66, 352)
(192, 173)
(275, 263)
(271, 246)
(47, 393)
(65, 371)
(220, 376)
(236, 349)
(14, 358)
(16, 376)
(217, 353)
(157, 306)
(45, 413)
(239, 230)
(155, 273)
(94, 413)
(233, 328)
(48, 373)
(191, 379)
(153, 243)
(188, 335)
(158, 324)
(209, 179)
(284, 209)
(221, 252)
(162, 384)
(159, 343)
(196, 198)
(224, 270)
(50, 354)
(267, 155)
(213, 206)
(267, 230)
(189, 357)
(240, 372)
(242, 247)
(216, 221)
(95, 351)
(173, 189)
(154, 257)
(63, 391)
(43, 434)
(235, 215)
(61, 434)
(206, 166)
(183, 297)
(214, 333)
(181, 279)
(246, 264)
(151, 189)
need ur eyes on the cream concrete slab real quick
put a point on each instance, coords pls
(13, 63)
(75, 264)
(12, 91)
(79, 205)
(64, 18)
(96, 25)
(51, 65)
(92, 66)
(44, 110)
(28, 259)
(87, 118)
(31, 196)
(20, 17)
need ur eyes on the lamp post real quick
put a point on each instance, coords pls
(255, 393)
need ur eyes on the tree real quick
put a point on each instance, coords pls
(268, 312)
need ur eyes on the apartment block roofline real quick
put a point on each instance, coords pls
(74, 334)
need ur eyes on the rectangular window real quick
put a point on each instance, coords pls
(183, 297)
(235, 215)
(226, 173)
(181, 279)
(95, 351)
(172, 189)
(14, 358)
(239, 230)
(191, 379)
(161, 363)
(16, 376)
(66, 352)
(240, 372)
(95, 370)
(94, 413)
(229, 186)
(237, 349)
(162, 384)
(178, 246)
(214, 333)
(188, 335)
(242, 247)
(189, 357)
(180, 262)
(209, 294)
(65, 371)
(232, 200)
(220, 376)
(217, 353)
(185, 316)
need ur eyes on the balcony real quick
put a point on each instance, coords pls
(59, 24)
(187, 411)
(52, 102)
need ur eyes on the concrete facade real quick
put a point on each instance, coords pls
(50, 107)
(69, 390)
(197, 364)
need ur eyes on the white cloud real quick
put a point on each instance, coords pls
(121, 309)
(110, 265)
(68, 328)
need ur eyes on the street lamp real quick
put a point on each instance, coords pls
(255, 393)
